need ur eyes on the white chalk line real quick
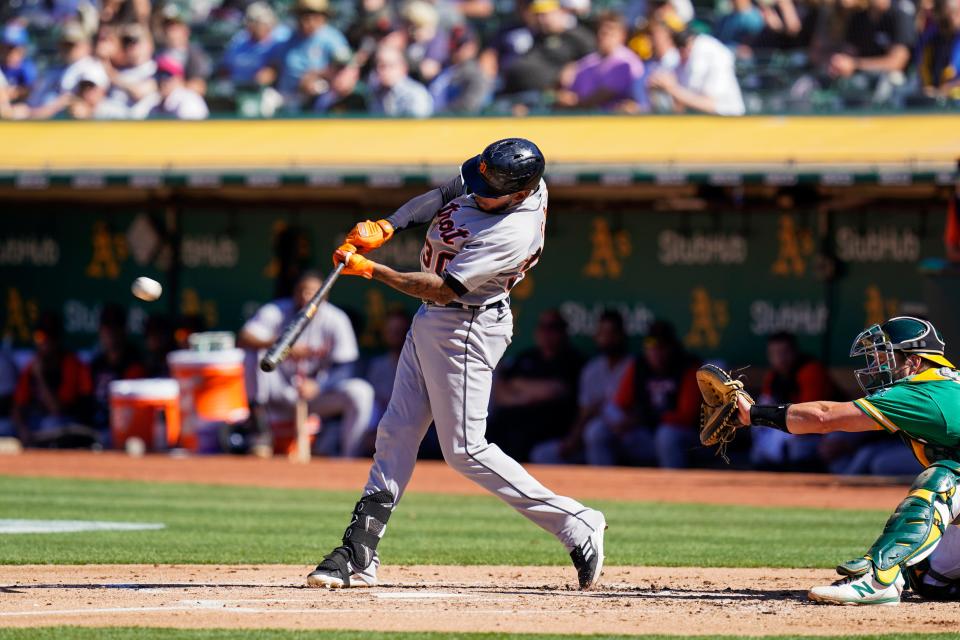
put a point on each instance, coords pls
(241, 610)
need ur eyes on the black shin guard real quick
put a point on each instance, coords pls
(360, 540)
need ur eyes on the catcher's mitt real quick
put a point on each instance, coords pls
(719, 418)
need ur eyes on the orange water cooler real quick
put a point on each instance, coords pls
(148, 409)
(212, 394)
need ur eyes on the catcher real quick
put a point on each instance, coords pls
(911, 390)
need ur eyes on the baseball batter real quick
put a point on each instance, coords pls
(914, 391)
(486, 231)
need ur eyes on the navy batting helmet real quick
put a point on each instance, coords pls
(505, 167)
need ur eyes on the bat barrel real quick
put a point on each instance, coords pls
(281, 348)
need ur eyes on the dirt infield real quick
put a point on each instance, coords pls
(531, 599)
(710, 487)
(632, 600)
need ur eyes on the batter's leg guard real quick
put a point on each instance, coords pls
(360, 540)
(915, 528)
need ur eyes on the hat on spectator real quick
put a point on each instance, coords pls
(312, 6)
(260, 13)
(544, 6)
(14, 35)
(94, 74)
(173, 12)
(421, 14)
(73, 32)
(170, 66)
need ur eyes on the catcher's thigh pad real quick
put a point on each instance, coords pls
(915, 528)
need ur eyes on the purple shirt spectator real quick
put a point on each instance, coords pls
(614, 75)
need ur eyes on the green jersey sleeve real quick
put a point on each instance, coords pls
(907, 408)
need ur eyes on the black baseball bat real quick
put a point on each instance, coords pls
(281, 348)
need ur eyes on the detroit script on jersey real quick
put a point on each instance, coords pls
(481, 255)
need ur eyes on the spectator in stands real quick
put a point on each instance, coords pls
(302, 66)
(938, 52)
(741, 25)
(393, 92)
(605, 79)
(657, 408)
(251, 49)
(512, 40)
(17, 67)
(558, 40)
(90, 99)
(125, 11)
(786, 26)
(377, 23)
(705, 80)
(878, 38)
(429, 45)
(793, 377)
(382, 369)
(115, 359)
(535, 392)
(54, 388)
(132, 74)
(196, 64)
(55, 90)
(6, 111)
(319, 370)
(599, 381)
(174, 99)
(462, 87)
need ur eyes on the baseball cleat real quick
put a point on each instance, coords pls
(859, 590)
(337, 572)
(588, 557)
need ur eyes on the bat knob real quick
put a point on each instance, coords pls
(267, 365)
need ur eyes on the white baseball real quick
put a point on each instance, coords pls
(146, 289)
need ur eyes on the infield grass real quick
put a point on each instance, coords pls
(242, 525)
(145, 633)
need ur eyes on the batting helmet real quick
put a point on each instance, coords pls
(505, 167)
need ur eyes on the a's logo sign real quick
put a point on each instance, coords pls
(483, 167)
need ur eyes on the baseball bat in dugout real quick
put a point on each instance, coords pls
(281, 348)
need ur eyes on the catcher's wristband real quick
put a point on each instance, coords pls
(774, 416)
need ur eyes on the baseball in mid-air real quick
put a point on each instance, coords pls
(146, 289)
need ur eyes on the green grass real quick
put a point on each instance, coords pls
(141, 633)
(229, 525)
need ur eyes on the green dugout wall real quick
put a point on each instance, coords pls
(726, 277)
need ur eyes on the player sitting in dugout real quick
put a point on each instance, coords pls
(914, 391)
(654, 414)
(319, 371)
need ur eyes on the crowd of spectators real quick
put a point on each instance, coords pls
(132, 59)
(550, 404)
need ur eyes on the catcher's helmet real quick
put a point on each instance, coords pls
(880, 342)
(505, 167)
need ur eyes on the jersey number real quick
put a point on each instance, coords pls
(530, 263)
(438, 265)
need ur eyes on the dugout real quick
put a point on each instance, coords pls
(730, 228)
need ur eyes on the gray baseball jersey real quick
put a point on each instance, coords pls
(480, 255)
(445, 371)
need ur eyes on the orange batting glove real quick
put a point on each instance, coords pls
(357, 265)
(368, 235)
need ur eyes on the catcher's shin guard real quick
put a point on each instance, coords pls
(360, 540)
(915, 528)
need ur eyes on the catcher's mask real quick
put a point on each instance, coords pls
(880, 344)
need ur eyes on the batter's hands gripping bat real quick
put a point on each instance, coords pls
(281, 348)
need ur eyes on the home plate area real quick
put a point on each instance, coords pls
(638, 600)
